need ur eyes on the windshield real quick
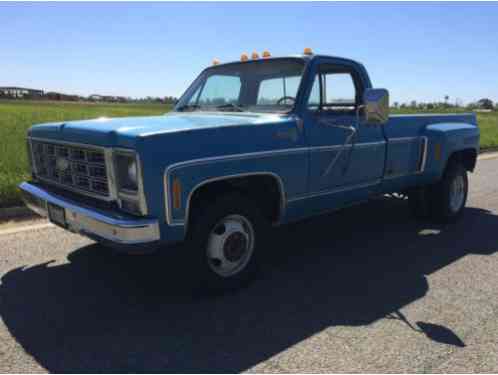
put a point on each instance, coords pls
(255, 86)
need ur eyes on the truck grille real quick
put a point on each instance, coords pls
(78, 168)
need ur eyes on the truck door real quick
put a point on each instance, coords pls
(346, 153)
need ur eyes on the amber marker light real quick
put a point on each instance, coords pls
(255, 56)
(216, 62)
(308, 51)
(244, 57)
(266, 54)
(177, 194)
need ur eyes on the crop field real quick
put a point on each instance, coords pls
(17, 116)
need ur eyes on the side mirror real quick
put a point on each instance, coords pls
(376, 103)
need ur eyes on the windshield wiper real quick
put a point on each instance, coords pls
(230, 106)
(188, 107)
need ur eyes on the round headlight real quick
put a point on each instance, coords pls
(132, 172)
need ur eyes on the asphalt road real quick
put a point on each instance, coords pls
(367, 289)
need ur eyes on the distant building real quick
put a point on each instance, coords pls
(20, 92)
(107, 98)
(95, 98)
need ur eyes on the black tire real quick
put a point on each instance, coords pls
(434, 201)
(441, 194)
(201, 230)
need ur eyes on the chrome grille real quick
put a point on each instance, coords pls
(78, 168)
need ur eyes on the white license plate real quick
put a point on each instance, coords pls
(57, 215)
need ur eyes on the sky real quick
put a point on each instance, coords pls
(419, 51)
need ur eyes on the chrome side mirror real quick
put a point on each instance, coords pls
(376, 106)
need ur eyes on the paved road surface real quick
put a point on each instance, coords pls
(366, 289)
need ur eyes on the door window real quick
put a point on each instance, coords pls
(333, 90)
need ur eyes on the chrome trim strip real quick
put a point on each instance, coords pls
(328, 148)
(401, 139)
(336, 190)
(89, 222)
(425, 141)
(369, 144)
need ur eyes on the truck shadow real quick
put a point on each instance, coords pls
(105, 313)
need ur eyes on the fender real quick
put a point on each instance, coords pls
(447, 138)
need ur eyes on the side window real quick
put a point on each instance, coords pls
(219, 90)
(338, 91)
(273, 89)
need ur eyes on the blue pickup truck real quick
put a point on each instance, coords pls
(251, 144)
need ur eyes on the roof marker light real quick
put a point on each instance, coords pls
(308, 51)
(216, 62)
(255, 56)
(244, 57)
(266, 54)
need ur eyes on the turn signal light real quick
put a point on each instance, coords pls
(177, 194)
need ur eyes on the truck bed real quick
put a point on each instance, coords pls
(412, 125)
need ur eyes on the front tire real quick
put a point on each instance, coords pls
(226, 239)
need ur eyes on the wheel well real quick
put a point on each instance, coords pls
(467, 158)
(265, 190)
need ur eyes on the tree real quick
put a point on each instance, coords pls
(485, 103)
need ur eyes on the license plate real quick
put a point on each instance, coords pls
(57, 215)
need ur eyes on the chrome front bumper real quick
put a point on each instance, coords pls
(97, 224)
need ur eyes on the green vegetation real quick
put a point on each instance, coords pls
(17, 116)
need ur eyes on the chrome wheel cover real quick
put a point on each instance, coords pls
(230, 245)
(457, 193)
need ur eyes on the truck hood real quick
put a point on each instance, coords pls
(125, 131)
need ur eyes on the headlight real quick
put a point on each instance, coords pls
(130, 194)
(126, 172)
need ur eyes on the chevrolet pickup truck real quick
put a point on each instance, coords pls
(251, 144)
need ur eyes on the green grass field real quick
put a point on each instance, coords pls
(17, 116)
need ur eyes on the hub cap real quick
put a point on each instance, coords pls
(457, 193)
(230, 245)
